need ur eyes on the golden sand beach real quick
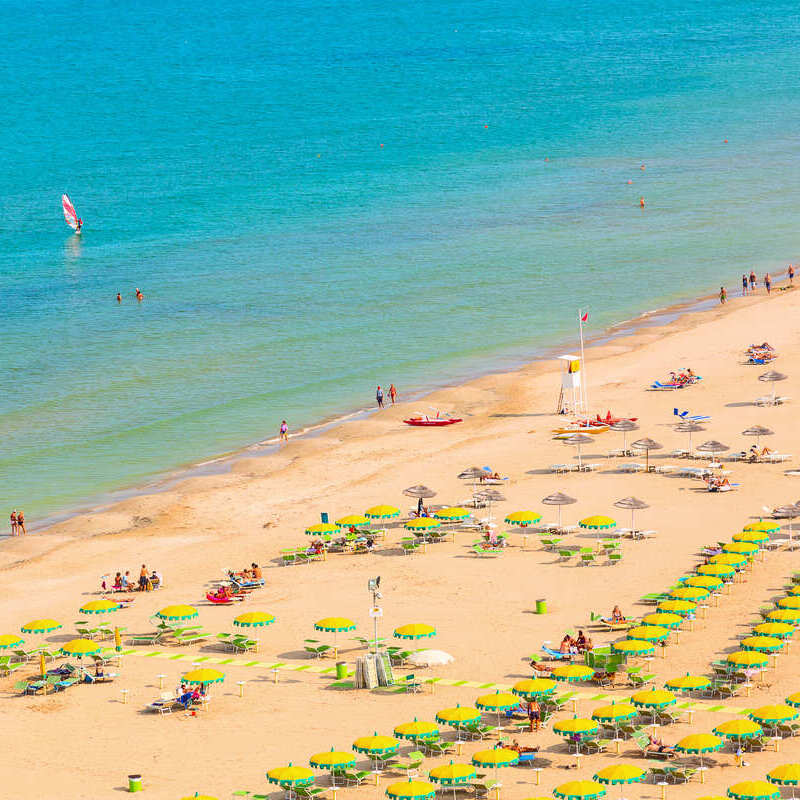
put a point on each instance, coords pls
(83, 742)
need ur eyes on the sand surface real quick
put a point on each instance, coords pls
(82, 743)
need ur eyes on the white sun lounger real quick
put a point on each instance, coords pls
(664, 469)
(776, 458)
(559, 468)
(769, 401)
(632, 466)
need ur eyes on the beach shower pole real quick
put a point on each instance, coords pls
(373, 585)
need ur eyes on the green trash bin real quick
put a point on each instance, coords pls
(135, 783)
(541, 606)
(341, 669)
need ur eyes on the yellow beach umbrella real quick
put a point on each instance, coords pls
(452, 774)
(793, 700)
(633, 647)
(793, 590)
(620, 774)
(648, 633)
(738, 729)
(253, 619)
(571, 673)
(452, 513)
(533, 687)
(411, 790)
(693, 593)
(699, 743)
(382, 512)
(782, 630)
(785, 775)
(497, 701)
(416, 730)
(753, 537)
(616, 712)
(773, 714)
(710, 582)
(747, 658)
(421, 524)
(719, 570)
(40, 626)
(375, 745)
(662, 619)
(291, 776)
(496, 757)
(788, 615)
(576, 725)
(204, 676)
(731, 559)
(753, 790)
(178, 612)
(762, 526)
(415, 630)
(682, 607)
(762, 644)
(598, 522)
(688, 683)
(457, 716)
(654, 698)
(103, 606)
(334, 624)
(352, 521)
(332, 759)
(324, 529)
(80, 648)
(523, 518)
(579, 790)
(741, 548)
(10, 640)
(789, 602)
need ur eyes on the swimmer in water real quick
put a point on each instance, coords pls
(119, 297)
(641, 202)
(139, 295)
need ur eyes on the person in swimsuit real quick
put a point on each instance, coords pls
(534, 715)
(768, 283)
(143, 578)
(617, 615)
(14, 522)
(392, 393)
(744, 285)
(790, 273)
(284, 435)
(379, 397)
(752, 281)
(723, 295)
(21, 522)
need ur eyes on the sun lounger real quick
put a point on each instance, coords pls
(415, 759)
(665, 469)
(776, 458)
(192, 637)
(315, 649)
(351, 778)
(632, 467)
(482, 788)
(556, 655)
(559, 468)
(637, 680)
(480, 550)
(642, 741)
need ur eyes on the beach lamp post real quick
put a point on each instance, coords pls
(373, 585)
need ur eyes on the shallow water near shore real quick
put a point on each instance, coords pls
(231, 166)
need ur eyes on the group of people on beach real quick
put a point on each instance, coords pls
(123, 582)
(392, 392)
(576, 645)
(17, 522)
(750, 282)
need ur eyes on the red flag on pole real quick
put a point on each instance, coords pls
(585, 317)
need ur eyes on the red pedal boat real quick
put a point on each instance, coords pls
(425, 421)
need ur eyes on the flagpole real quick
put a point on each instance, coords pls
(585, 392)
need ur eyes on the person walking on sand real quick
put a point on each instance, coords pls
(723, 295)
(768, 283)
(143, 576)
(752, 281)
(379, 397)
(790, 273)
(744, 285)
(14, 522)
(21, 522)
(284, 435)
(392, 392)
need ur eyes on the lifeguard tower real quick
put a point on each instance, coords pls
(572, 396)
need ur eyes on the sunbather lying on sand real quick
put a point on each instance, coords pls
(515, 745)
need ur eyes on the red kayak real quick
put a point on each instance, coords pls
(432, 422)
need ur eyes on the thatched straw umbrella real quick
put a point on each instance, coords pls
(633, 504)
(558, 499)
(647, 445)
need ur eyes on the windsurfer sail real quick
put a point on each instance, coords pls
(70, 215)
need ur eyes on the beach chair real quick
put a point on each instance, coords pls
(476, 730)
(410, 767)
(411, 684)
(566, 555)
(192, 637)
(587, 559)
(636, 680)
(22, 686)
(436, 748)
(352, 778)
(631, 467)
(483, 787)
(308, 792)
(590, 746)
(641, 740)
(556, 655)
(479, 550)
(614, 558)
(315, 649)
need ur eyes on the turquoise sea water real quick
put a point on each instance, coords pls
(227, 159)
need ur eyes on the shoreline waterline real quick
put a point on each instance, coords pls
(223, 463)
